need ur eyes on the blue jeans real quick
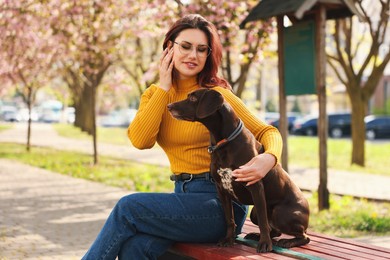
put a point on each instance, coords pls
(145, 225)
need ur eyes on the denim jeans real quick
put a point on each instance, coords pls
(145, 225)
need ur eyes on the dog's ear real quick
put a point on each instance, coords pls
(209, 103)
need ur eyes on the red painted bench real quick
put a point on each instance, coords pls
(320, 247)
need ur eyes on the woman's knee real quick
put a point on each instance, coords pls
(124, 207)
(144, 246)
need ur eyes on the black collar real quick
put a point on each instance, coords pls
(233, 135)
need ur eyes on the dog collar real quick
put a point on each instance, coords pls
(233, 135)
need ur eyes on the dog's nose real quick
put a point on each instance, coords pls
(169, 106)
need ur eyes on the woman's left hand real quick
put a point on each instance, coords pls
(256, 169)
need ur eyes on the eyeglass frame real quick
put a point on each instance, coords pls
(192, 48)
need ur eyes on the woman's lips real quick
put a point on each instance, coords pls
(190, 65)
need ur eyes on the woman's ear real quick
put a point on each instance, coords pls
(170, 44)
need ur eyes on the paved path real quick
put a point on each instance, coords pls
(45, 215)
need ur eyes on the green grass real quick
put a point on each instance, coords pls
(114, 135)
(303, 151)
(347, 217)
(121, 173)
(5, 126)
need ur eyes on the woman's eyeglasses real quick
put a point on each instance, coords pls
(186, 48)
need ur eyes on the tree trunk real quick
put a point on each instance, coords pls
(83, 107)
(358, 127)
(94, 130)
(29, 101)
(242, 79)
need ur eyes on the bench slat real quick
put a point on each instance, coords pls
(211, 251)
(342, 248)
(335, 246)
(278, 250)
(337, 251)
(351, 245)
(320, 247)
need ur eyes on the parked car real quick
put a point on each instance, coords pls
(339, 124)
(306, 125)
(9, 114)
(377, 127)
(291, 119)
(50, 111)
(269, 117)
(118, 118)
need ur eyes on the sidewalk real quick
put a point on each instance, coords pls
(45, 215)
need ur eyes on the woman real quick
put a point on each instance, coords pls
(145, 225)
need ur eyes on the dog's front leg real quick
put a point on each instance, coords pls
(260, 204)
(227, 207)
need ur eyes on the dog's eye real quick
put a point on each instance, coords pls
(192, 98)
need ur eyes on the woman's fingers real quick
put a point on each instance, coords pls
(166, 67)
(163, 54)
(166, 57)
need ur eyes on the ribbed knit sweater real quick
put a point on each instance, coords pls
(185, 143)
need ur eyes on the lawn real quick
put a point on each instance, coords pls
(111, 171)
(5, 126)
(113, 135)
(303, 151)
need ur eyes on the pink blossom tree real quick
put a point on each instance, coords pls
(90, 31)
(242, 48)
(142, 48)
(27, 53)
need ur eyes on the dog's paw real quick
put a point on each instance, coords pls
(264, 247)
(253, 236)
(293, 242)
(285, 243)
(226, 242)
(275, 233)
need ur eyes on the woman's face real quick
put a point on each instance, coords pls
(190, 52)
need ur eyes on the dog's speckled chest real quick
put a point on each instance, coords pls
(226, 180)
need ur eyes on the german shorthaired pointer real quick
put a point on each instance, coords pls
(279, 205)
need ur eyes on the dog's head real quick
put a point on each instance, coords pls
(198, 105)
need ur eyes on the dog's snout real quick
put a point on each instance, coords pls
(169, 106)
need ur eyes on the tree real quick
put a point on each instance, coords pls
(360, 66)
(27, 53)
(90, 32)
(241, 47)
(96, 35)
(142, 45)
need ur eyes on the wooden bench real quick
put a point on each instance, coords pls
(320, 247)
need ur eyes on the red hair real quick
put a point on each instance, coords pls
(208, 76)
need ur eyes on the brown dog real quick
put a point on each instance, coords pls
(279, 205)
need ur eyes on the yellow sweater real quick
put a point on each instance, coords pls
(185, 143)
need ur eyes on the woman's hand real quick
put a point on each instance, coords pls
(255, 169)
(166, 66)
